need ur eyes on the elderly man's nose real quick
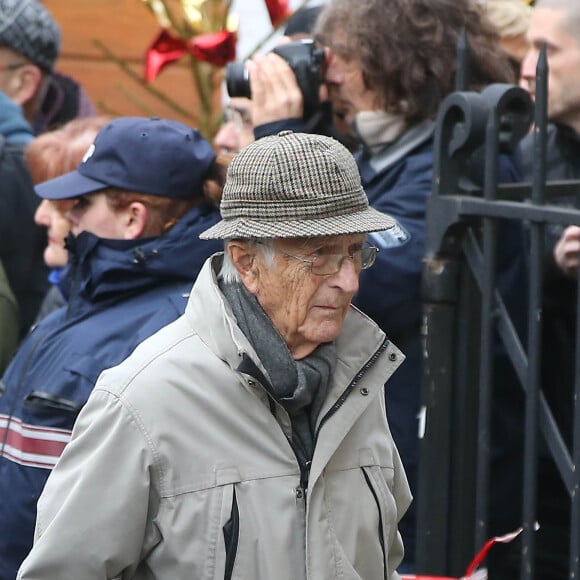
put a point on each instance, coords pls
(348, 275)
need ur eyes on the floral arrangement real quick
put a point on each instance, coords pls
(205, 33)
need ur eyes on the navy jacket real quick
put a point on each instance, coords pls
(119, 292)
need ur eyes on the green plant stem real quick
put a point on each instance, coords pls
(170, 103)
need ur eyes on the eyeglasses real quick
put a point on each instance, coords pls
(11, 66)
(327, 264)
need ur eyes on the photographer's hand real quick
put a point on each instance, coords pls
(275, 91)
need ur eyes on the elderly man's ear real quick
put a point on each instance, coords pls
(243, 256)
(24, 84)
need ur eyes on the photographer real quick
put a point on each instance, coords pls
(280, 90)
(288, 92)
(275, 92)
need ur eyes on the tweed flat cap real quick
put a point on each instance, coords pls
(294, 185)
(28, 28)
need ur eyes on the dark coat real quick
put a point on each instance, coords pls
(8, 321)
(559, 306)
(559, 298)
(22, 242)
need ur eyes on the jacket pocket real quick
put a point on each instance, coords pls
(82, 372)
(231, 530)
(49, 410)
(40, 401)
(57, 399)
(385, 506)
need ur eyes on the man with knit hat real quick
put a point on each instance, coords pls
(29, 46)
(32, 97)
(30, 42)
(248, 438)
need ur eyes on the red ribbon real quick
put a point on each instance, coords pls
(217, 48)
(480, 556)
(278, 11)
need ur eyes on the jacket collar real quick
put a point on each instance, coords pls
(212, 318)
(408, 141)
(101, 269)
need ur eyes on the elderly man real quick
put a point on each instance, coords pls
(248, 439)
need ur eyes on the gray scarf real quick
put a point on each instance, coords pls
(299, 386)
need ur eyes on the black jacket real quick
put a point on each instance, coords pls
(22, 242)
(559, 303)
(558, 356)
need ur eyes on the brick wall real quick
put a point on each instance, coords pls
(126, 28)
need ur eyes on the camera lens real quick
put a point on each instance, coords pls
(237, 81)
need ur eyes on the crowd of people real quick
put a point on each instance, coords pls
(211, 353)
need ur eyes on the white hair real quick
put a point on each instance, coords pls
(228, 272)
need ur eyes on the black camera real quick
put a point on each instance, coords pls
(306, 59)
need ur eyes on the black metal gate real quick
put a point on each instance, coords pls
(466, 321)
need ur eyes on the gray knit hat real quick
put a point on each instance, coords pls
(28, 28)
(294, 185)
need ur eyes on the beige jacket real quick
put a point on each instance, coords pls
(180, 467)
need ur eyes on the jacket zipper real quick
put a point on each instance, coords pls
(249, 368)
(305, 469)
(381, 536)
(361, 373)
(74, 261)
(304, 466)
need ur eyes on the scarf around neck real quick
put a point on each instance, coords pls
(300, 386)
(377, 129)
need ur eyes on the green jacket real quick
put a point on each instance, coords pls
(8, 321)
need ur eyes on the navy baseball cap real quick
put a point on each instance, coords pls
(153, 156)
